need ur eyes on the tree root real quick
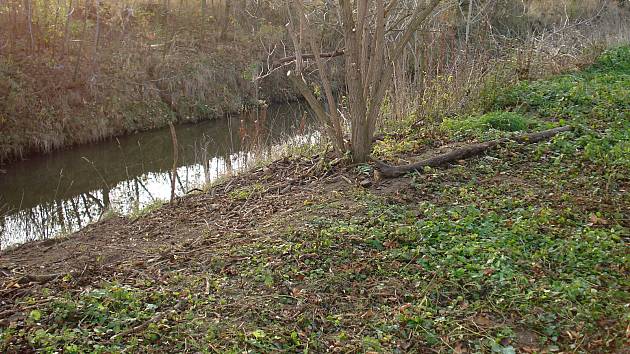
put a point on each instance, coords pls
(467, 151)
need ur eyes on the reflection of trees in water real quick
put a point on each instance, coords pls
(60, 216)
(48, 219)
(2, 231)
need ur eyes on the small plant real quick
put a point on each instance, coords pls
(246, 192)
(155, 204)
(110, 213)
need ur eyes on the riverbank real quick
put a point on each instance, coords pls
(523, 249)
(74, 73)
(38, 117)
(117, 69)
(59, 193)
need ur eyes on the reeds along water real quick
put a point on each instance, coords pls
(75, 72)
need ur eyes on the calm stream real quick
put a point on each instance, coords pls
(55, 194)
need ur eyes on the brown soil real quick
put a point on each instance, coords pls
(185, 233)
(219, 219)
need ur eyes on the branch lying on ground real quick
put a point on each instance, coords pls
(465, 152)
(146, 323)
(43, 278)
(311, 56)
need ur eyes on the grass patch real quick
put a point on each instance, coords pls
(246, 192)
(155, 204)
(595, 102)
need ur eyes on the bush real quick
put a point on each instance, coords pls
(503, 121)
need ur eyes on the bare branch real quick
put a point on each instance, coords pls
(420, 16)
(313, 102)
(292, 58)
(333, 118)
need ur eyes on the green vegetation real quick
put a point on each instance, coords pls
(523, 250)
(594, 101)
(155, 204)
(97, 313)
(499, 120)
(246, 192)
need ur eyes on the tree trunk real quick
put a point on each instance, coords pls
(97, 34)
(469, 19)
(296, 38)
(77, 66)
(64, 50)
(29, 16)
(361, 143)
(175, 158)
(226, 20)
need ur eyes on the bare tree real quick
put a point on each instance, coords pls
(28, 5)
(66, 29)
(469, 19)
(77, 65)
(331, 120)
(226, 20)
(373, 44)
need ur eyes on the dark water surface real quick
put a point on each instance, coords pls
(50, 195)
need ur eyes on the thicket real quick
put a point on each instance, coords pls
(78, 71)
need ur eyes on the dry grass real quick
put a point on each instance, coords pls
(446, 76)
(150, 65)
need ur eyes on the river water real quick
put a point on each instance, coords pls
(59, 193)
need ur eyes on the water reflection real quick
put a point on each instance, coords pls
(59, 193)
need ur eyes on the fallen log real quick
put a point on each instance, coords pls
(465, 152)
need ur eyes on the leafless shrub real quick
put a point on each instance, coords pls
(446, 72)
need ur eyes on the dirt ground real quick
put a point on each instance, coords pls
(185, 231)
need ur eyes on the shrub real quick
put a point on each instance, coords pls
(503, 121)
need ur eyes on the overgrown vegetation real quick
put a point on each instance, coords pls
(521, 250)
(595, 101)
(75, 72)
